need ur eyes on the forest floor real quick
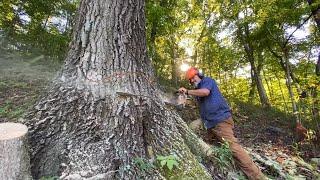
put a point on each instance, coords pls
(22, 79)
(266, 133)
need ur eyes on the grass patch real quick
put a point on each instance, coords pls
(23, 78)
(8, 110)
(17, 96)
(265, 115)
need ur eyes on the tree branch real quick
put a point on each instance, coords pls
(285, 43)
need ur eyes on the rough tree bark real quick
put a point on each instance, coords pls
(104, 109)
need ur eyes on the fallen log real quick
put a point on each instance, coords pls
(14, 156)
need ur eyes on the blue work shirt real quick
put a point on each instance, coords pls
(213, 108)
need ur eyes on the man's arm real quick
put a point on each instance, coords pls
(195, 92)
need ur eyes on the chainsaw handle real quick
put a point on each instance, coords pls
(178, 92)
(183, 90)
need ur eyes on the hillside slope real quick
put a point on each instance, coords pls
(266, 134)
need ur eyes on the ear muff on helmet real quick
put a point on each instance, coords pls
(200, 74)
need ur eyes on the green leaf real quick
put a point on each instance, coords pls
(160, 158)
(171, 163)
(163, 162)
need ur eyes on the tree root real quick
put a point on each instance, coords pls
(196, 145)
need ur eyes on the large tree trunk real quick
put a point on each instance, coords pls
(244, 36)
(104, 109)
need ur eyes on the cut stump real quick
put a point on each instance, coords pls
(14, 156)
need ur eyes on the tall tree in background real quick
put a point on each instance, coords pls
(315, 10)
(104, 109)
(9, 19)
(160, 27)
(282, 45)
(243, 18)
(244, 35)
(38, 26)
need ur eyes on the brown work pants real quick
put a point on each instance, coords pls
(225, 130)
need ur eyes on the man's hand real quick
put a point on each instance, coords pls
(195, 92)
(182, 90)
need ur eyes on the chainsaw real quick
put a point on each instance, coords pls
(179, 100)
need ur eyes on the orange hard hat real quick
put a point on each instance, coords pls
(191, 72)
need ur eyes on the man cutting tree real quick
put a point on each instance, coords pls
(216, 116)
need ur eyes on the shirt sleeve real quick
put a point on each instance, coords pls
(207, 83)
